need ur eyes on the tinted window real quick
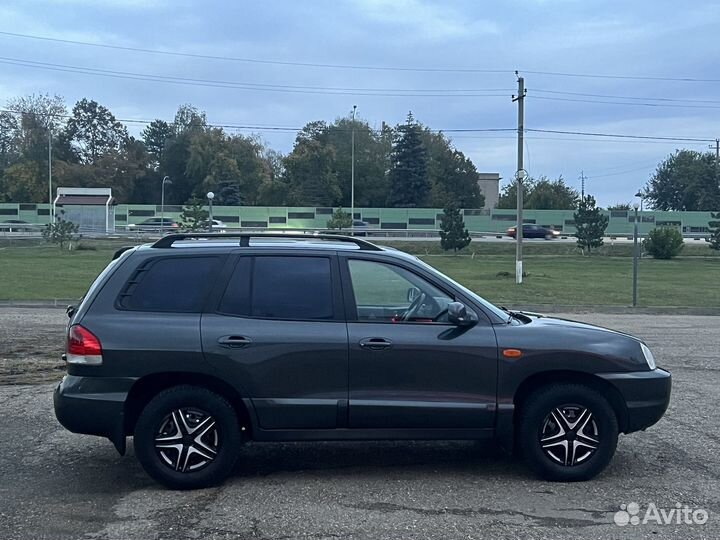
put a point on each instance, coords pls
(384, 292)
(170, 284)
(280, 288)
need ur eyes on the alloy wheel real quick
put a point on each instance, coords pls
(569, 435)
(187, 440)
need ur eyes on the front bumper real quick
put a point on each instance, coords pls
(93, 406)
(646, 395)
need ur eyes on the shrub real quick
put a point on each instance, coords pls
(340, 220)
(664, 243)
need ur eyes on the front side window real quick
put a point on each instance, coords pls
(175, 284)
(389, 293)
(280, 288)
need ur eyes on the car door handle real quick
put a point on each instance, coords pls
(375, 344)
(234, 341)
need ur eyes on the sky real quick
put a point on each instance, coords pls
(589, 66)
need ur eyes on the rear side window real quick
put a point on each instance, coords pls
(280, 288)
(169, 284)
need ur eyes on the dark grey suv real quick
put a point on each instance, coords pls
(199, 342)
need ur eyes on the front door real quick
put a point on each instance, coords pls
(278, 336)
(409, 367)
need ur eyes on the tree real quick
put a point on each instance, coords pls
(23, 181)
(453, 177)
(94, 131)
(189, 118)
(620, 206)
(590, 224)
(542, 194)
(340, 220)
(156, 136)
(61, 232)
(310, 176)
(664, 243)
(714, 227)
(686, 180)
(453, 234)
(194, 216)
(409, 184)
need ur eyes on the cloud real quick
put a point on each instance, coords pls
(434, 21)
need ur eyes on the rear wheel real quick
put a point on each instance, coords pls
(567, 432)
(187, 437)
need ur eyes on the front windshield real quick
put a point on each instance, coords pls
(479, 299)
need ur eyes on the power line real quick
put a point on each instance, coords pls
(243, 85)
(643, 98)
(354, 67)
(627, 103)
(257, 60)
(620, 136)
(621, 77)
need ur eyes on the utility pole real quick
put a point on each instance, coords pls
(582, 184)
(352, 171)
(50, 199)
(716, 146)
(636, 256)
(520, 176)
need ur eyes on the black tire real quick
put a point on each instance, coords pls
(539, 421)
(220, 440)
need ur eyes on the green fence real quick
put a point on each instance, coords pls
(484, 220)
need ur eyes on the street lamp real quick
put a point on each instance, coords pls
(639, 194)
(165, 180)
(636, 255)
(352, 171)
(210, 196)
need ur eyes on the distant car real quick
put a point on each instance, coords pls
(534, 231)
(154, 225)
(217, 225)
(16, 225)
(360, 227)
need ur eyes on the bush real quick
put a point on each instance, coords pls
(60, 232)
(664, 243)
(340, 220)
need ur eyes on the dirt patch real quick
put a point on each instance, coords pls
(31, 342)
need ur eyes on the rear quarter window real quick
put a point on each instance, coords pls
(174, 284)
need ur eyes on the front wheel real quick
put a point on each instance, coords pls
(567, 432)
(187, 437)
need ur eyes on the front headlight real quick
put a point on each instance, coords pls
(649, 358)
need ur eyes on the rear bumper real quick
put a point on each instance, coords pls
(646, 394)
(93, 406)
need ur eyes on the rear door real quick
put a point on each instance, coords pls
(278, 335)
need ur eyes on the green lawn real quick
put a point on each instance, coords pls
(557, 274)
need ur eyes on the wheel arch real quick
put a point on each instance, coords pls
(147, 387)
(603, 387)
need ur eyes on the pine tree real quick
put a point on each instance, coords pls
(714, 231)
(590, 224)
(409, 181)
(453, 234)
(194, 217)
(339, 220)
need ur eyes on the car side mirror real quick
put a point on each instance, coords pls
(459, 315)
(412, 294)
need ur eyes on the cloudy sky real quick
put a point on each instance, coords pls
(450, 62)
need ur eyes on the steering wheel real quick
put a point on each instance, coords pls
(414, 307)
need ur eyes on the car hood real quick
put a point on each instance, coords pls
(547, 321)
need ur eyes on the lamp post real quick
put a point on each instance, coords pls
(352, 171)
(210, 196)
(640, 195)
(636, 254)
(165, 180)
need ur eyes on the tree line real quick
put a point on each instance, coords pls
(408, 165)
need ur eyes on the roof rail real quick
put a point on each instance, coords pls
(170, 239)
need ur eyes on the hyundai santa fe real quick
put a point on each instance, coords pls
(198, 343)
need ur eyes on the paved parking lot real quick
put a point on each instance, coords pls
(54, 484)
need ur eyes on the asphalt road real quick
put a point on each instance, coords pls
(54, 484)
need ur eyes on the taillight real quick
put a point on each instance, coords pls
(83, 347)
